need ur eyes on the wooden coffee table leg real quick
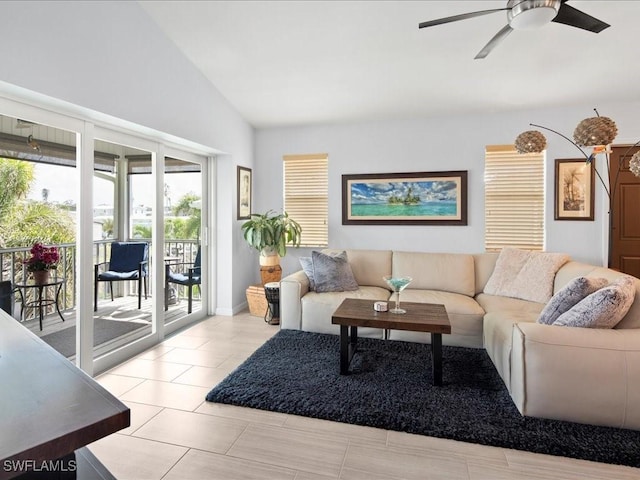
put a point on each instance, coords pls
(348, 343)
(436, 356)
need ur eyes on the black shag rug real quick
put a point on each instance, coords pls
(297, 372)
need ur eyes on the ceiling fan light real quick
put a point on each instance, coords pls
(530, 141)
(531, 19)
(595, 131)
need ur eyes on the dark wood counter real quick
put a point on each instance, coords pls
(49, 408)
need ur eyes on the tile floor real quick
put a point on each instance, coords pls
(176, 435)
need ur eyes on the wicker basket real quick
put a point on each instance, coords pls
(257, 301)
(270, 274)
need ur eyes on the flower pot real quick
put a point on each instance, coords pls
(269, 257)
(40, 277)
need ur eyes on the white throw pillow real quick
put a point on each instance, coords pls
(603, 308)
(568, 296)
(525, 274)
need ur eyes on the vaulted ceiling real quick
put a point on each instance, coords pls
(307, 62)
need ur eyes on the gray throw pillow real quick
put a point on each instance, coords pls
(307, 266)
(568, 296)
(332, 273)
(603, 308)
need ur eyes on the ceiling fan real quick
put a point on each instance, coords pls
(528, 14)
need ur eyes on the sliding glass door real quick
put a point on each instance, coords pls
(91, 191)
(123, 274)
(185, 247)
(38, 199)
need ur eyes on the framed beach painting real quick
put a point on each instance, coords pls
(574, 189)
(244, 193)
(417, 198)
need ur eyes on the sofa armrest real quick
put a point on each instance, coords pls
(292, 289)
(577, 374)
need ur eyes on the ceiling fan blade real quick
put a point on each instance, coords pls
(575, 18)
(455, 18)
(493, 43)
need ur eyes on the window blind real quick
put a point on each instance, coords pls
(306, 196)
(514, 199)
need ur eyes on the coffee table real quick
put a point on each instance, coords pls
(420, 317)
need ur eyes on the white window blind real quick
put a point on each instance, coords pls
(514, 199)
(306, 196)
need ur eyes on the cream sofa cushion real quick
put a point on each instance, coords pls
(465, 315)
(317, 309)
(582, 375)
(484, 266)
(497, 337)
(449, 272)
(495, 303)
(368, 266)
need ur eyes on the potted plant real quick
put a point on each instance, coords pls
(42, 260)
(270, 233)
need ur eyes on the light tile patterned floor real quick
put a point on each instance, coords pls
(176, 435)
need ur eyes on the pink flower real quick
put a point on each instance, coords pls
(42, 258)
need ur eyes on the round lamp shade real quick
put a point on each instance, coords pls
(634, 164)
(595, 131)
(530, 141)
(532, 18)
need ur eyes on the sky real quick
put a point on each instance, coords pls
(62, 186)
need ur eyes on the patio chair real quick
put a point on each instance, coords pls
(186, 274)
(6, 296)
(129, 262)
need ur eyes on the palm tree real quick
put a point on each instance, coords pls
(140, 231)
(107, 228)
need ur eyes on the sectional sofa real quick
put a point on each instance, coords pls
(585, 375)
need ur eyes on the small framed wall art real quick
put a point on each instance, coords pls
(244, 193)
(417, 198)
(574, 189)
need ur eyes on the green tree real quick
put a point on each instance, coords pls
(184, 206)
(15, 178)
(174, 228)
(187, 228)
(32, 222)
(107, 227)
(24, 222)
(141, 231)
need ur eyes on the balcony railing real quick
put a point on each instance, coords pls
(13, 268)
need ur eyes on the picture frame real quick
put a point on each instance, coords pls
(245, 182)
(574, 189)
(415, 198)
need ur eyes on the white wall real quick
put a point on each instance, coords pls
(111, 58)
(434, 144)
